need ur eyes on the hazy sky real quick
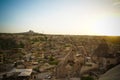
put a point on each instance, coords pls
(81, 17)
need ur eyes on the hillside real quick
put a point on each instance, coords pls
(112, 74)
(76, 54)
(58, 44)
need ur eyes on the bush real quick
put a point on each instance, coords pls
(37, 69)
(51, 58)
(53, 62)
(21, 45)
(87, 78)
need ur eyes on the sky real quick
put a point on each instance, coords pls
(74, 17)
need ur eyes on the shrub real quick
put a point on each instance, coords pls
(87, 78)
(53, 62)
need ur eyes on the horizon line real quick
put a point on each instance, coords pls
(34, 32)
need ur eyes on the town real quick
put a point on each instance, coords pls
(35, 56)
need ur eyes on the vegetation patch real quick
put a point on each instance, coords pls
(87, 78)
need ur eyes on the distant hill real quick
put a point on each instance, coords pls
(30, 32)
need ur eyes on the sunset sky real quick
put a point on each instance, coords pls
(76, 17)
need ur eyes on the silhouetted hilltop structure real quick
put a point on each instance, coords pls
(30, 32)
